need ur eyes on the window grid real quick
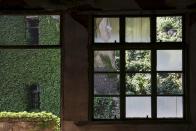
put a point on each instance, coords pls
(153, 46)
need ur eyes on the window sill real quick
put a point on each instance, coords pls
(135, 121)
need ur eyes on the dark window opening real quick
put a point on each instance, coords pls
(34, 97)
(32, 30)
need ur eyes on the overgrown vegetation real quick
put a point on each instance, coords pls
(49, 30)
(43, 119)
(169, 29)
(12, 30)
(21, 68)
(106, 108)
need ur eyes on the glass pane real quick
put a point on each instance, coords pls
(106, 108)
(169, 83)
(106, 30)
(168, 107)
(106, 60)
(169, 29)
(137, 29)
(27, 71)
(138, 60)
(29, 30)
(139, 107)
(169, 60)
(106, 83)
(138, 84)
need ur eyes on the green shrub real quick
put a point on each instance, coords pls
(44, 119)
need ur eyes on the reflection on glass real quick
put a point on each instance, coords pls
(106, 60)
(23, 68)
(169, 29)
(138, 107)
(106, 30)
(138, 60)
(169, 107)
(29, 30)
(169, 60)
(138, 84)
(106, 108)
(137, 29)
(106, 83)
(169, 83)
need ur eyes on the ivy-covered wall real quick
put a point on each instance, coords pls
(21, 68)
(12, 30)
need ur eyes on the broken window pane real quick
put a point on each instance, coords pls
(106, 30)
(169, 107)
(169, 29)
(106, 83)
(30, 30)
(106, 108)
(138, 84)
(106, 60)
(137, 29)
(169, 60)
(138, 60)
(169, 83)
(138, 107)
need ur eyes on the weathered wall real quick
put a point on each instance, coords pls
(22, 126)
(75, 70)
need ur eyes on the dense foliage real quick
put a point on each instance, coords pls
(49, 31)
(138, 60)
(169, 83)
(43, 119)
(136, 83)
(169, 29)
(21, 68)
(106, 108)
(13, 30)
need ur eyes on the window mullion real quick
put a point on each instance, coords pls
(153, 69)
(122, 69)
(154, 84)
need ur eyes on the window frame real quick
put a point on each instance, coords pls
(153, 46)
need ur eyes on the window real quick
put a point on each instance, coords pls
(138, 68)
(30, 62)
